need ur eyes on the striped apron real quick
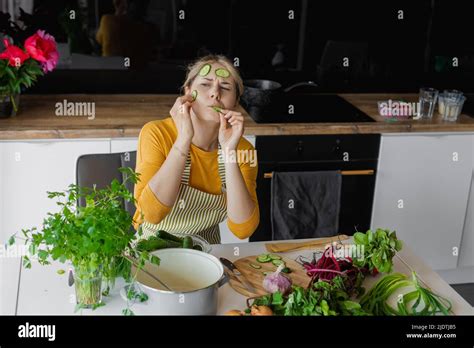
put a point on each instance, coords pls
(194, 212)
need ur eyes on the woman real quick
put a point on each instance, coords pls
(193, 175)
(118, 33)
(112, 28)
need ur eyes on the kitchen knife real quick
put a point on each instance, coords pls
(231, 267)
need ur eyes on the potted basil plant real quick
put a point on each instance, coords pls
(96, 238)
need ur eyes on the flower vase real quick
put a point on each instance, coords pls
(9, 105)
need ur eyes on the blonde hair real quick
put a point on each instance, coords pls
(194, 68)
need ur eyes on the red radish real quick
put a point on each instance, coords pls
(330, 266)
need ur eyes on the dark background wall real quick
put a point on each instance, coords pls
(386, 53)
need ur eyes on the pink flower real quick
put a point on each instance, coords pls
(15, 55)
(42, 47)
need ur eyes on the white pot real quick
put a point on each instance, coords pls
(194, 278)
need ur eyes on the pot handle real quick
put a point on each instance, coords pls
(224, 279)
(306, 83)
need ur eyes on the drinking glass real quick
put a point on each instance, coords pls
(453, 107)
(448, 93)
(428, 97)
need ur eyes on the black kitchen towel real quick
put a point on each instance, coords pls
(305, 204)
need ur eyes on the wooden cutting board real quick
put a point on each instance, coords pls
(255, 276)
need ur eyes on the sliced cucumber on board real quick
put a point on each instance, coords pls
(253, 265)
(278, 262)
(263, 258)
(274, 257)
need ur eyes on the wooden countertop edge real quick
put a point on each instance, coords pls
(69, 133)
(149, 104)
(274, 129)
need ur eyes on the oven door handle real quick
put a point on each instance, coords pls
(343, 172)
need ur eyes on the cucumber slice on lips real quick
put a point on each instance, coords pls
(216, 109)
(205, 70)
(222, 72)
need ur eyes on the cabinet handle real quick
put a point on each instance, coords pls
(343, 172)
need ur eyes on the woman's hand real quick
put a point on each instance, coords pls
(231, 129)
(180, 112)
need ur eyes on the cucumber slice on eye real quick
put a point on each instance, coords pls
(194, 94)
(222, 72)
(205, 70)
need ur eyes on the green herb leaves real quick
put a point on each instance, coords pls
(335, 280)
(379, 247)
(322, 299)
(89, 236)
(94, 236)
(13, 78)
(134, 294)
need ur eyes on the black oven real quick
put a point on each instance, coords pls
(356, 155)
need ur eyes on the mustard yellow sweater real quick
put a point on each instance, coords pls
(154, 143)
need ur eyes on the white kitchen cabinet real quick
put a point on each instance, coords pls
(2, 238)
(29, 169)
(130, 144)
(123, 145)
(422, 192)
(466, 255)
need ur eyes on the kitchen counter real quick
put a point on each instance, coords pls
(43, 292)
(122, 116)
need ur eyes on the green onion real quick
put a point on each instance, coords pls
(425, 302)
